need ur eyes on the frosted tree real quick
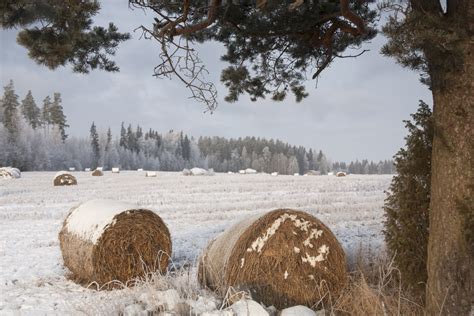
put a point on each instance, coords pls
(267, 159)
(245, 158)
(293, 165)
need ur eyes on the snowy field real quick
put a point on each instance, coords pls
(32, 276)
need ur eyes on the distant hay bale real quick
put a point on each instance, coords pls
(10, 173)
(313, 173)
(97, 173)
(274, 174)
(250, 171)
(87, 169)
(115, 170)
(103, 241)
(72, 169)
(100, 168)
(64, 178)
(198, 172)
(242, 171)
(140, 169)
(296, 174)
(150, 174)
(283, 258)
(341, 174)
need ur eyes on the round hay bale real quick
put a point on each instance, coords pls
(103, 241)
(199, 172)
(64, 178)
(97, 173)
(341, 174)
(283, 258)
(10, 173)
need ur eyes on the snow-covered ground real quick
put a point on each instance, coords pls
(195, 208)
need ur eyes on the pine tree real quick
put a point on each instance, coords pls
(45, 111)
(109, 140)
(10, 106)
(186, 148)
(407, 204)
(123, 137)
(57, 117)
(30, 110)
(95, 145)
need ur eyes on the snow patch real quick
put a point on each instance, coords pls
(248, 308)
(258, 244)
(315, 233)
(298, 310)
(323, 254)
(89, 220)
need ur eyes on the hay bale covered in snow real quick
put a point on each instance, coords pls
(313, 173)
(72, 169)
(10, 173)
(97, 173)
(274, 174)
(64, 178)
(250, 171)
(199, 172)
(341, 174)
(186, 172)
(150, 174)
(242, 171)
(105, 240)
(283, 258)
(87, 169)
(115, 170)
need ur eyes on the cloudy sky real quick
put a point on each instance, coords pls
(355, 112)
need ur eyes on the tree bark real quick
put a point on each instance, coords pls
(450, 285)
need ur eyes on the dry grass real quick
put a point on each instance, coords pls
(375, 288)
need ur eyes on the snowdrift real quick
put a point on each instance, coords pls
(64, 178)
(104, 240)
(283, 258)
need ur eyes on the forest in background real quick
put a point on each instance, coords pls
(34, 138)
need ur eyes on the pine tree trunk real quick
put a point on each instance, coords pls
(450, 288)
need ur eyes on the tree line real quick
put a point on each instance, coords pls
(35, 138)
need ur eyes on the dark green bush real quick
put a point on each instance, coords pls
(407, 203)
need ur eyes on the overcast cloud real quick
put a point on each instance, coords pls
(355, 112)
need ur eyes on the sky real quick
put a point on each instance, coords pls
(355, 111)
